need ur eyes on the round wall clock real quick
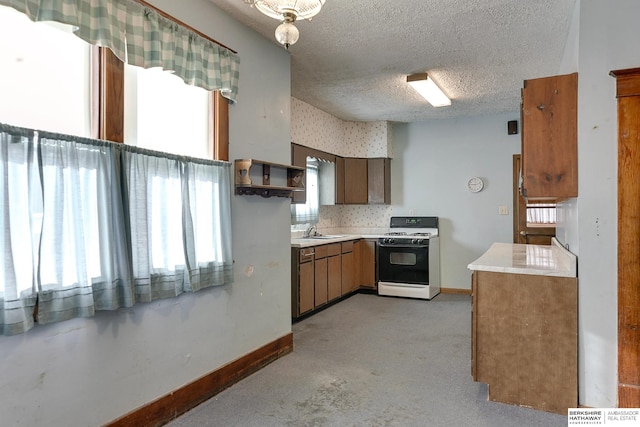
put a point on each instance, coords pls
(475, 184)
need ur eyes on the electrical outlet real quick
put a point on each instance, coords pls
(503, 210)
(411, 212)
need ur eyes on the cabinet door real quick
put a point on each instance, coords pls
(348, 282)
(549, 137)
(366, 259)
(306, 290)
(334, 277)
(355, 181)
(379, 181)
(321, 283)
(339, 180)
(526, 320)
(299, 158)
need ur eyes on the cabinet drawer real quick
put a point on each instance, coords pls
(306, 255)
(333, 249)
(347, 246)
(321, 251)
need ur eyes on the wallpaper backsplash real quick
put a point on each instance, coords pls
(357, 219)
(314, 128)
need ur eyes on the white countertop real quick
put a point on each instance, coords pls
(553, 260)
(300, 242)
(315, 241)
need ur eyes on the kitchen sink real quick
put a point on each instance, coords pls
(327, 236)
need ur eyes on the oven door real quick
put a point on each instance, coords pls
(403, 263)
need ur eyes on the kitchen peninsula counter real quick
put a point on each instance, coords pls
(553, 260)
(525, 325)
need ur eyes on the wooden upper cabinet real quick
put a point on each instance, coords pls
(339, 180)
(358, 181)
(549, 137)
(379, 181)
(299, 158)
(356, 189)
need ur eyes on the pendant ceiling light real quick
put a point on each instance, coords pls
(288, 11)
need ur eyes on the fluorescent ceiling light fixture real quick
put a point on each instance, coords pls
(426, 87)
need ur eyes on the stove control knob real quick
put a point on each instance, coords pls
(389, 240)
(415, 241)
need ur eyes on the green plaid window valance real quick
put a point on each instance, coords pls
(140, 36)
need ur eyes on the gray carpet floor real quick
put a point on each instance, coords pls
(371, 361)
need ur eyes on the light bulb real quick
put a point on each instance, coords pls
(287, 34)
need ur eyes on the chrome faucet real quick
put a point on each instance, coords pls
(310, 229)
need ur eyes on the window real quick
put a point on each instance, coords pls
(91, 225)
(45, 75)
(71, 235)
(163, 113)
(541, 215)
(307, 213)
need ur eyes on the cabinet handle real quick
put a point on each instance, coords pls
(541, 107)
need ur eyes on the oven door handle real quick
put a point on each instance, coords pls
(403, 245)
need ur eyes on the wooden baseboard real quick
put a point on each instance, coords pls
(170, 406)
(457, 291)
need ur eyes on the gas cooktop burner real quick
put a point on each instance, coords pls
(404, 233)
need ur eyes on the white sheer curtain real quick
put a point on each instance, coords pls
(91, 225)
(19, 190)
(208, 217)
(79, 243)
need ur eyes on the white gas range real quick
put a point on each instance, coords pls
(409, 258)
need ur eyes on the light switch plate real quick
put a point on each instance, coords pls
(503, 210)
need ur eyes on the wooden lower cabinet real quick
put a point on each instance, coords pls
(325, 273)
(525, 339)
(321, 282)
(334, 267)
(365, 258)
(303, 281)
(349, 283)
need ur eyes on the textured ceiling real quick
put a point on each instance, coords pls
(352, 59)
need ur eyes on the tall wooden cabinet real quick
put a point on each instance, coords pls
(550, 137)
(628, 94)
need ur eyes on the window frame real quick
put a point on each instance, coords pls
(107, 98)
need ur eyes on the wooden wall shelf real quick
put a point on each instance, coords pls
(245, 184)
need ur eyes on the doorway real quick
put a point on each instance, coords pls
(533, 222)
